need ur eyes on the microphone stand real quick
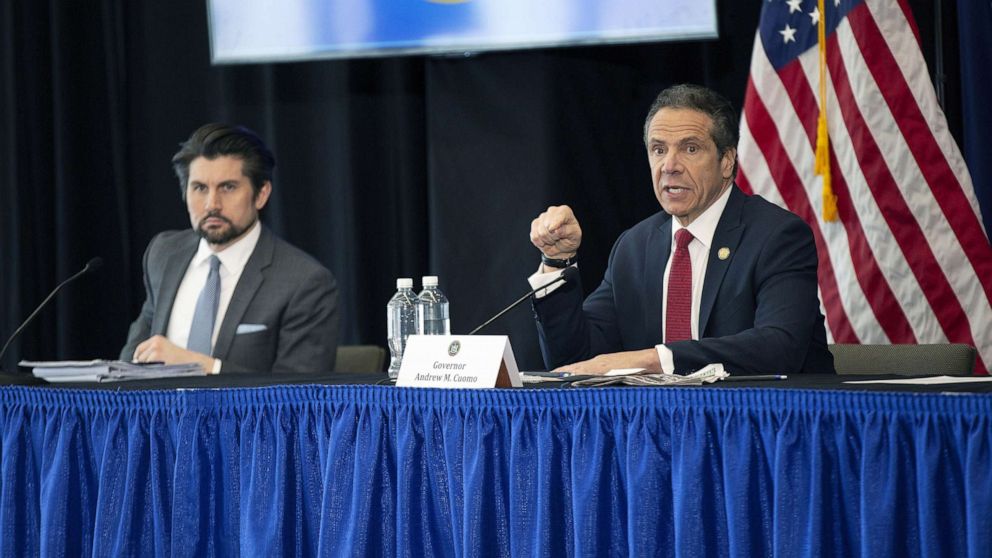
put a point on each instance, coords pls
(91, 265)
(567, 274)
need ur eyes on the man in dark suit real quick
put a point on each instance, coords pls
(718, 277)
(228, 294)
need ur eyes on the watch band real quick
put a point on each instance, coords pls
(559, 264)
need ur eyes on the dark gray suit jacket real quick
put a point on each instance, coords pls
(281, 288)
(759, 311)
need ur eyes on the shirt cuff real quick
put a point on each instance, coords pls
(216, 368)
(538, 279)
(667, 359)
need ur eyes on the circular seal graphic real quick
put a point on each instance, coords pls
(453, 348)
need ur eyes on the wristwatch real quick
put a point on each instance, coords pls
(559, 264)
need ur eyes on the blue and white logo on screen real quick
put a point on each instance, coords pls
(270, 30)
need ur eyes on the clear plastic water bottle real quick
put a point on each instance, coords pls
(401, 322)
(432, 309)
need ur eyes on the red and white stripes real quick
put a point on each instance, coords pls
(908, 260)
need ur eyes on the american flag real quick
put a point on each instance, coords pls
(907, 259)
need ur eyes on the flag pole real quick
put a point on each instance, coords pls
(822, 163)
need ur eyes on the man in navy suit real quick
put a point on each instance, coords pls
(718, 277)
(266, 305)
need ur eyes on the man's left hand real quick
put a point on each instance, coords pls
(646, 358)
(158, 348)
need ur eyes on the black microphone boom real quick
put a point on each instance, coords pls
(92, 265)
(567, 274)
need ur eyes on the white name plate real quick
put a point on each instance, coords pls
(458, 361)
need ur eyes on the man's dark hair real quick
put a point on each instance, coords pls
(724, 131)
(215, 140)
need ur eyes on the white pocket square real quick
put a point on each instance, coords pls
(250, 328)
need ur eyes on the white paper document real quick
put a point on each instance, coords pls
(107, 370)
(925, 381)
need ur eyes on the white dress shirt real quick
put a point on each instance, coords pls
(702, 229)
(232, 263)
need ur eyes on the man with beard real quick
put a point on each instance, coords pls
(228, 294)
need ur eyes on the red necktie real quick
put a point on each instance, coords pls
(678, 310)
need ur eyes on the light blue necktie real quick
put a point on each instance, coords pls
(202, 330)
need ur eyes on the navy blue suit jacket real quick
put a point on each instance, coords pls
(759, 311)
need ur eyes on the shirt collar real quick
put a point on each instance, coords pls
(704, 227)
(235, 256)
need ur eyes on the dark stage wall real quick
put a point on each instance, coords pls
(386, 167)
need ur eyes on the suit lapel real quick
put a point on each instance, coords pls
(728, 235)
(659, 247)
(249, 283)
(175, 269)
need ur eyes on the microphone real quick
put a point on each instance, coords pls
(568, 274)
(92, 265)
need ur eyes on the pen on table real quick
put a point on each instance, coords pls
(757, 377)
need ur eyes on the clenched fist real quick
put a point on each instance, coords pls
(556, 233)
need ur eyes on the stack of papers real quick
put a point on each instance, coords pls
(630, 377)
(107, 370)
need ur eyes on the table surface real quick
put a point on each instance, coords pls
(795, 381)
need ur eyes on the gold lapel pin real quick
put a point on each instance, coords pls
(723, 253)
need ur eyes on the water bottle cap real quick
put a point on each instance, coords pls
(430, 280)
(404, 283)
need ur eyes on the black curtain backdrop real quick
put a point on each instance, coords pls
(385, 167)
